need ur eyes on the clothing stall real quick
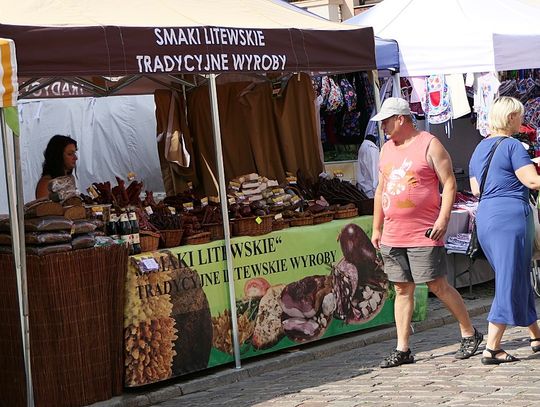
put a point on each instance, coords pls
(453, 61)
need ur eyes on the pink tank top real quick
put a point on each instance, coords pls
(410, 198)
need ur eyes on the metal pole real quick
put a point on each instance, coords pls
(377, 95)
(396, 89)
(224, 213)
(16, 219)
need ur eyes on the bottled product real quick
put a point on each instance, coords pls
(135, 238)
(125, 230)
(112, 226)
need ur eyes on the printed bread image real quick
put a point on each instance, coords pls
(307, 305)
(360, 285)
(149, 330)
(191, 312)
(268, 328)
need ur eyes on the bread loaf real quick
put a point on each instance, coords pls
(268, 328)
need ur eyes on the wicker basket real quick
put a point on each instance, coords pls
(250, 227)
(366, 207)
(279, 224)
(199, 238)
(304, 221)
(216, 230)
(323, 217)
(149, 241)
(171, 238)
(346, 213)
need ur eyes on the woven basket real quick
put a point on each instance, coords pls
(323, 217)
(346, 213)
(366, 207)
(279, 224)
(216, 230)
(171, 238)
(305, 221)
(149, 240)
(250, 227)
(199, 238)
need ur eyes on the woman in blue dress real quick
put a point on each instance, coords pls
(505, 227)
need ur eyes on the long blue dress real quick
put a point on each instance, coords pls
(505, 228)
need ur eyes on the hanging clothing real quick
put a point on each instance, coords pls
(367, 172)
(458, 96)
(486, 89)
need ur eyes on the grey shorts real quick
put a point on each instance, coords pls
(413, 264)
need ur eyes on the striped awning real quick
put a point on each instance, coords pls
(9, 88)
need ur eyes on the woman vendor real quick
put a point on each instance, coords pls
(60, 160)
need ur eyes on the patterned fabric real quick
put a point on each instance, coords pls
(369, 96)
(408, 93)
(350, 129)
(335, 97)
(325, 91)
(532, 113)
(348, 94)
(487, 87)
(438, 100)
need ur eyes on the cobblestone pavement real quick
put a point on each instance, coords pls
(343, 371)
(353, 379)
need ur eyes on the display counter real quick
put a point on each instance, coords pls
(75, 304)
(292, 286)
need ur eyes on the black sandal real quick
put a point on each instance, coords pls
(397, 358)
(493, 360)
(537, 347)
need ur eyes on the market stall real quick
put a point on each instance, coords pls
(465, 56)
(166, 45)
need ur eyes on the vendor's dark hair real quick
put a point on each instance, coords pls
(53, 165)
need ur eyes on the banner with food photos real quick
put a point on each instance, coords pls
(292, 286)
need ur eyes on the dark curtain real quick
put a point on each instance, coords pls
(260, 133)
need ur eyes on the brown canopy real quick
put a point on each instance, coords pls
(60, 38)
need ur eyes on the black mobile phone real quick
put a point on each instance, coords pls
(428, 232)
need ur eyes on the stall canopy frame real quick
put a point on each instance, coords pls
(135, 40)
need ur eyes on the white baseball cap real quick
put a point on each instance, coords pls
(392, 107)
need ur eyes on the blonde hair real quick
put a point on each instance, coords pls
(499, 114)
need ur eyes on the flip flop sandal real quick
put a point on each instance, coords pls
(537, 347)
(493, 360)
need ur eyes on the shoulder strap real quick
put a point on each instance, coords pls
(486, 167)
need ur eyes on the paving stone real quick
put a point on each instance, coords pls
(344, 372)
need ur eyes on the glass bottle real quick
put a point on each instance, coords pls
(112, 226)
(125, 230)
(135, 238)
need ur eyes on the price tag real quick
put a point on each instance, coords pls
(258, 220)
(172, 210)
(188, 206)
(149, 210)
(204, 201)
(148, 265)
(278, 216)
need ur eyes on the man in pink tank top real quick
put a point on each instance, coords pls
(408, 204)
